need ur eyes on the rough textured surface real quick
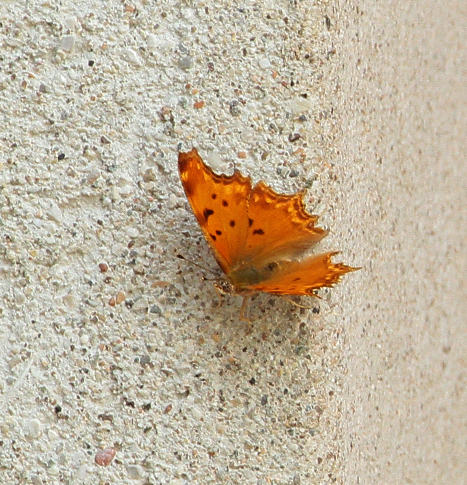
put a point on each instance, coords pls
(110, 345)
(403, 77)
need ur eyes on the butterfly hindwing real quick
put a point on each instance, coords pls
(303, 277)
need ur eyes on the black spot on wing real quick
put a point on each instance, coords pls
(297, 279)
(258, 232)
(207, 213)
(213, 196)
(225, 203)
(250, 222)
(219, 233)
(213, 237)
(232, 223)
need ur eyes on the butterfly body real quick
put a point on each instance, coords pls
(258, 236)
(247, 275)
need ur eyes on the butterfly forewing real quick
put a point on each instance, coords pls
(220, 205)
(279, 226)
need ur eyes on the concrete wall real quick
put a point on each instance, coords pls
(108, 341)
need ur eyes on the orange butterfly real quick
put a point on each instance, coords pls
(256, 234)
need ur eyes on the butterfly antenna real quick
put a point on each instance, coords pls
(199, 266)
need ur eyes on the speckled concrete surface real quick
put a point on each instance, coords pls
(403, 75)
(109, 342)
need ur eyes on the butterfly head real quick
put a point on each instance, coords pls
(224, 287)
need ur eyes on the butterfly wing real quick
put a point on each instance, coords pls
(279, 230)
(303, 277)
(219, 202)
(279, 226)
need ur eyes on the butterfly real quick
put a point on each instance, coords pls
(258, 236)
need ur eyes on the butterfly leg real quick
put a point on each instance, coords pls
(298, 304)
(243, 310)
(219, 294)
